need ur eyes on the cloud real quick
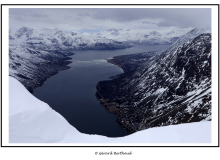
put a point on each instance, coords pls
(37, 15)
(178, 17)
(151, 23)
(186, 17)
(103, 18)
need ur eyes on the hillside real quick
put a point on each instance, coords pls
(169, 87)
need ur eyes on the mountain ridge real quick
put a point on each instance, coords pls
(143, 37)
(54, 39)
(171, 87)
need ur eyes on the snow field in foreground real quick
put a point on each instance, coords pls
(33, 121)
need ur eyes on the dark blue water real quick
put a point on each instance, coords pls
(72, 92)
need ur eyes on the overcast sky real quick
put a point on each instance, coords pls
(96, 19)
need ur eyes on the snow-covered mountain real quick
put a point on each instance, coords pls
(163, 88)
(33, 121)
(54, 39)
(135, 36)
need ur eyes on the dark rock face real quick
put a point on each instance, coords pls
(161, 88)
(33, 66)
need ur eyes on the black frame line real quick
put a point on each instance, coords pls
(111, 5)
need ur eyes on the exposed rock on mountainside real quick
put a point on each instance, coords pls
(169, 87)
(32, 66)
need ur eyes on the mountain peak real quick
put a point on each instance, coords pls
(24, 31)
(24, 28)
(112, 30)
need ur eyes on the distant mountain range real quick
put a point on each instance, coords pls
(54, 39)
(134, 36)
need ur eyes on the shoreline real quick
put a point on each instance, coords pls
(61, 65)
(128, 65)
(55, 61)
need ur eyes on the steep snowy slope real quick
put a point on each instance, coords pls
(33, 66)
(54, 39)
(172, 87)
(33, 121)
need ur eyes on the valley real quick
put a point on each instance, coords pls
(72, 92)
(150, 80)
